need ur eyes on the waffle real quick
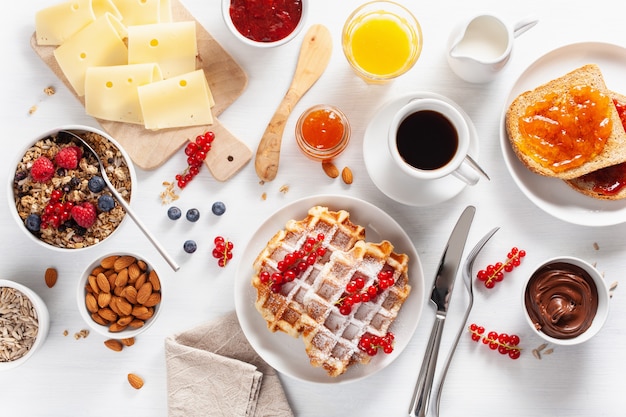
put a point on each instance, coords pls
(308, 306)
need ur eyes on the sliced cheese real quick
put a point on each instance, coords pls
(111, 92)
(55, 24)
(171, 45)
(98, 44)
(177, 102)
(144, 12)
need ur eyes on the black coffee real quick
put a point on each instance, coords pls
(427, 140)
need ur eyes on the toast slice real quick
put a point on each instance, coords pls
(607, 183)
(573, 159)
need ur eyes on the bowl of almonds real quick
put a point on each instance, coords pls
(24, 323)
(119, 295)
(57, 193)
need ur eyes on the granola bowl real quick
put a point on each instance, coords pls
(24, 324)
(56, 191)
(119, 295)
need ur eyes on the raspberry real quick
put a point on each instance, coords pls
(42, 169)
(68, 157)
(84, 214)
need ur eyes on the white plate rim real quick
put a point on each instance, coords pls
(285, 353)
(552, 195)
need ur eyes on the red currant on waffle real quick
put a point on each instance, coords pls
(295, 263)
(370, 343)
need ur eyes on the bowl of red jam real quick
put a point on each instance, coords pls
(264, 23)
(322, 132)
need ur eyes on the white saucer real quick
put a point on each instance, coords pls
(391, 180)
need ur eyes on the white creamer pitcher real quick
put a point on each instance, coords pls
(478, 48)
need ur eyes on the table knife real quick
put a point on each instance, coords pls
(440, 297)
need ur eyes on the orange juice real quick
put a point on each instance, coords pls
(381, 40)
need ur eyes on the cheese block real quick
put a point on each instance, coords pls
(98, 44)
(111, 92)
(171, 45)
(185, 100)
(144, 12)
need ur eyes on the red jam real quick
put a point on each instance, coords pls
(611, 180)
(322, 132)
(265, 20)
(562, 132)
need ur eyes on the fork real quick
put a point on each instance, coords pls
(467, 280)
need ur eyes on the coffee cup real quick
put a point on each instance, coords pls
(429, 139)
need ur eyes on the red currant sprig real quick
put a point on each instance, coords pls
(504, 343)
(222, 251)
(371, 344)
(294, 263)
(357, 293)
(196, 154)
(495, 273)
(57, 211)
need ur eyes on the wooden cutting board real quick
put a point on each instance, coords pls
(150, 149)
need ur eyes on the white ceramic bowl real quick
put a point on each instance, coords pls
(229, 23)
(81, 294)
(43, 321)
(568, 291)
(122, 158)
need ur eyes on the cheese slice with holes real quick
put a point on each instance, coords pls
(56, 24)
(180, 101)
(111, 92)
(98, 44)
(171, 45)
(144, 12)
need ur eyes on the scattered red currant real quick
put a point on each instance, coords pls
(222, 251)
(495, 273)
(504, 343)
(356, 292)
(295, 263)
(370, 343)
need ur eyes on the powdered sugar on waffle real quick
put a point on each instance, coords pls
(307, 306)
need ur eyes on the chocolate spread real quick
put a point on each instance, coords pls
(561, 300)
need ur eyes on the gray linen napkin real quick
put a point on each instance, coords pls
(213, 371)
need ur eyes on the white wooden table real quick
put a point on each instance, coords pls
(82, 377)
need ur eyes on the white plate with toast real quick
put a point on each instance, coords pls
(287, 354)
(553, 195)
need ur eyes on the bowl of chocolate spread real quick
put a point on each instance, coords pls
(566, 300)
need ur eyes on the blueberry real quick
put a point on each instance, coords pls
(106, 203)
(193, 215)
(190, 246)
(218, 208)
(96, 184)
(33, 222)
(174, 213)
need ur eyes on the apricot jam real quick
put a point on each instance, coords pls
(563, 131)
(322, 132)
(610, 180)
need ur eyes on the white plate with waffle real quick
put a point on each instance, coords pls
(287, 354)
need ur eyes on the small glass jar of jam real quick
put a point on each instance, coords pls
(322, 132)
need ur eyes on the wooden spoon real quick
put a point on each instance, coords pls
(312, 61)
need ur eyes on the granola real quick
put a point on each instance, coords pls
(31, 197)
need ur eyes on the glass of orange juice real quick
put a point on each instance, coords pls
(381, 40)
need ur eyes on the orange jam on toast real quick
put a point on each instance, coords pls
(564, 131)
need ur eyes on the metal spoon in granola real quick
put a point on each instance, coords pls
(124, 203)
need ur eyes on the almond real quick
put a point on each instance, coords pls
(91, 303)
(96, 317)
(103, 283)
(104, 298)
(330, 169)
(116, 327)
(128, 341)
(50, 277)
(124, 321)
(135, 381)
(154, 299)
(93, 284)
(109, 261)
(137, 323)
(122, 278)
(141, 312)
(140, 281)
(114, 345)
(134, 271)
(346, 175)
(124, 307)
(130, 294)
(143, 266)
(123, 262)
(144, 292)
(154, 280)
(107, 314)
